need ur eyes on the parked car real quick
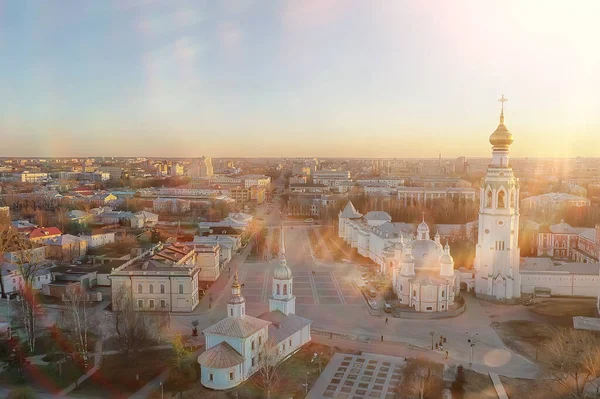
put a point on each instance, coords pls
(387, 308)
(309, 220)
(372, 293)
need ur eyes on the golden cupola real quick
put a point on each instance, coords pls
(502, 137)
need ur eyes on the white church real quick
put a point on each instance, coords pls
(235, 344)
(422, 270)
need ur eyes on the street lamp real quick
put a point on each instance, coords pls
(432, 333)
(305, 385)
(317, 356)
(162, 390)
(471, 342)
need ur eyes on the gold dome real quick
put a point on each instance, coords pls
(501, 137)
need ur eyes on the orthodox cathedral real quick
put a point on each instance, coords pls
(234, 345)
(422, 270)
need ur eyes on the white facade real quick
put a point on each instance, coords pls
(98, 240)
(424, 277)
(497, 253)
(160, 280)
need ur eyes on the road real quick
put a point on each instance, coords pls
(332, 301)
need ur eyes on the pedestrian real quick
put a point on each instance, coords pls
(382, 338)
(437, 346)
(386, 320)
(446, 354)
(330, 335)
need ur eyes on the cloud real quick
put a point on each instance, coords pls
(157, 25)
(237, 6)
(230, 35)
(309, 13)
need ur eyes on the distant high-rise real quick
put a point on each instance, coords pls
(202, 167)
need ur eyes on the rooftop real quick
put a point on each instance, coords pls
(238, 327)
(220, 356)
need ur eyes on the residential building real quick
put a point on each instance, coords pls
(171, 205)
(115, 172)
(246, 194)
(423, 195)
(298, 179)
(13, 280)
(201, 168)
(237, 220)
(580, 244)
(309, 188)
(30, 177)
(99, 239)
(554, 201)
(256, 180)
(163, 279)
(227, 246)
(208, 259)
(148, 219)
(42, 233)
(66, 247)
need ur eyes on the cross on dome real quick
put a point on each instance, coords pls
(502, 100)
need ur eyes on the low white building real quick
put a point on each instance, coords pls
(208, 258)
(12, 278)
(98, 240)
(171, 205)
(542, 276)
(226, 245)
(554, 201)
(235, 344)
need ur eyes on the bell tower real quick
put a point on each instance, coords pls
(282, 298)
(497, 253)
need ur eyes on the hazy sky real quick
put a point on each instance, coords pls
(387, 78)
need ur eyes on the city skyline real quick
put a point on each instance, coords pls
(126, 78)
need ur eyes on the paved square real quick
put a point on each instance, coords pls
(353, 376)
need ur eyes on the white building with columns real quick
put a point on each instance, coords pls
(236, 344)
(497, 253)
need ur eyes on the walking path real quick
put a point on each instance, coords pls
(220, 287)
(498, 386)
(80, 380)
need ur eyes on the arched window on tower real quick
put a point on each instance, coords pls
(501, 199)
(285, 289)
(277, 289)
(488, 199)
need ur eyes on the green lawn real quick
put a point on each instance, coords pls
(119, 376)
(296, 370)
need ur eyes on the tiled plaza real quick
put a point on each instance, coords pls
(365, 376)
(320, 288)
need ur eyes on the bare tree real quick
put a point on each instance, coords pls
(421, 380)
(29, 259)
(591, 364)
(135, 329)
(79, 320)
(269, 373)
(26, 312)
(571, 360)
